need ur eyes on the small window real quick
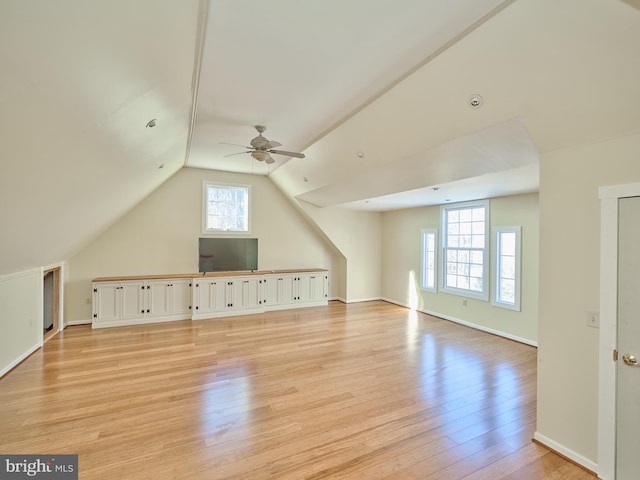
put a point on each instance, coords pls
(226, 209)
(506, 267)
(465, 250)
(429, 255)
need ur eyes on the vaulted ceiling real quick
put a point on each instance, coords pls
(79, 82)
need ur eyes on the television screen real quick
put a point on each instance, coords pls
(227, 254)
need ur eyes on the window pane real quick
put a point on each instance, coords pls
(507, 291)
(508, 243)
(478, 214)
(227, 208)
(476, 284)
(475, 271)
(508, 267)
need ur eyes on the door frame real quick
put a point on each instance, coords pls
(57, 314)
(609, 198)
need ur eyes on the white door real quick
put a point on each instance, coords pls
(628, 372)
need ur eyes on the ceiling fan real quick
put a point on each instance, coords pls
(261, 148)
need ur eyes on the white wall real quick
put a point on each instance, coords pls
(358, 235)
(569, 286)
(20, 317)
(401, 267)
(160, 236)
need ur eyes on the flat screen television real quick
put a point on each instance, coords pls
(227, 254)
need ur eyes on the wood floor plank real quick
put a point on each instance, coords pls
(366, 391)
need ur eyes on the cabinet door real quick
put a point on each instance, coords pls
(209, 296)
(131, 300)
(288, 289)
(159, 298)
(233, 293)
(105, 301)
(272, 288)
(180, 296)
(249, 293)
(312, 287)
(219, 295)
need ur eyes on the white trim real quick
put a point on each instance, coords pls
(486, 267)
(495, 261)
(475, 326)
(359, 300)
(23, 273)
(78, 322)
(570, 454)
(17, 361)
(423, 233)
(59, 265)
(141, 321)
(609, 197)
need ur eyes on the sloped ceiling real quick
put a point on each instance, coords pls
(78, 83)
(391, 79)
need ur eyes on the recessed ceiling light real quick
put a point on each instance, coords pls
(435, 189)
(306, 180)
(360, 154)
(476, 101)
(151, 123)
(161, 166)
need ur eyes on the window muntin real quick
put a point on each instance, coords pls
(226, 209)
(506, 268)
(429, 259)
(464, 249)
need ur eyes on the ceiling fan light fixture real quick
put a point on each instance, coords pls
(260, 155)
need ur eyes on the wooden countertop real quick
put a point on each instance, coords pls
(243, 273)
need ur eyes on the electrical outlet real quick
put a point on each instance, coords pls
(593, 319)
(464, 303)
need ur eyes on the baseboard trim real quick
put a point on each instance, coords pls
(19, 360)
(359, 300)
(475, 326)
(566, 453)
(77, 322)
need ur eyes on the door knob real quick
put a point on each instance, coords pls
(629, 359)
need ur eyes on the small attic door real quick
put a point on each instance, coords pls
(51, 302)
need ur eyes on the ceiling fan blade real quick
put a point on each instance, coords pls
(238, 153)
(234, 144)
(288, 154)
(269, 160)
(272, 144)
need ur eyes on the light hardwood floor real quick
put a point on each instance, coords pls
(366, 391)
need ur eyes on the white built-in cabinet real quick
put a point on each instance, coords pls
(129, 302)
(134, 301)
(226, 296)
(291, 290)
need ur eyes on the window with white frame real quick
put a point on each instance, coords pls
(465, 253)
(226, 208)
(429, 256)
(506, 267)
